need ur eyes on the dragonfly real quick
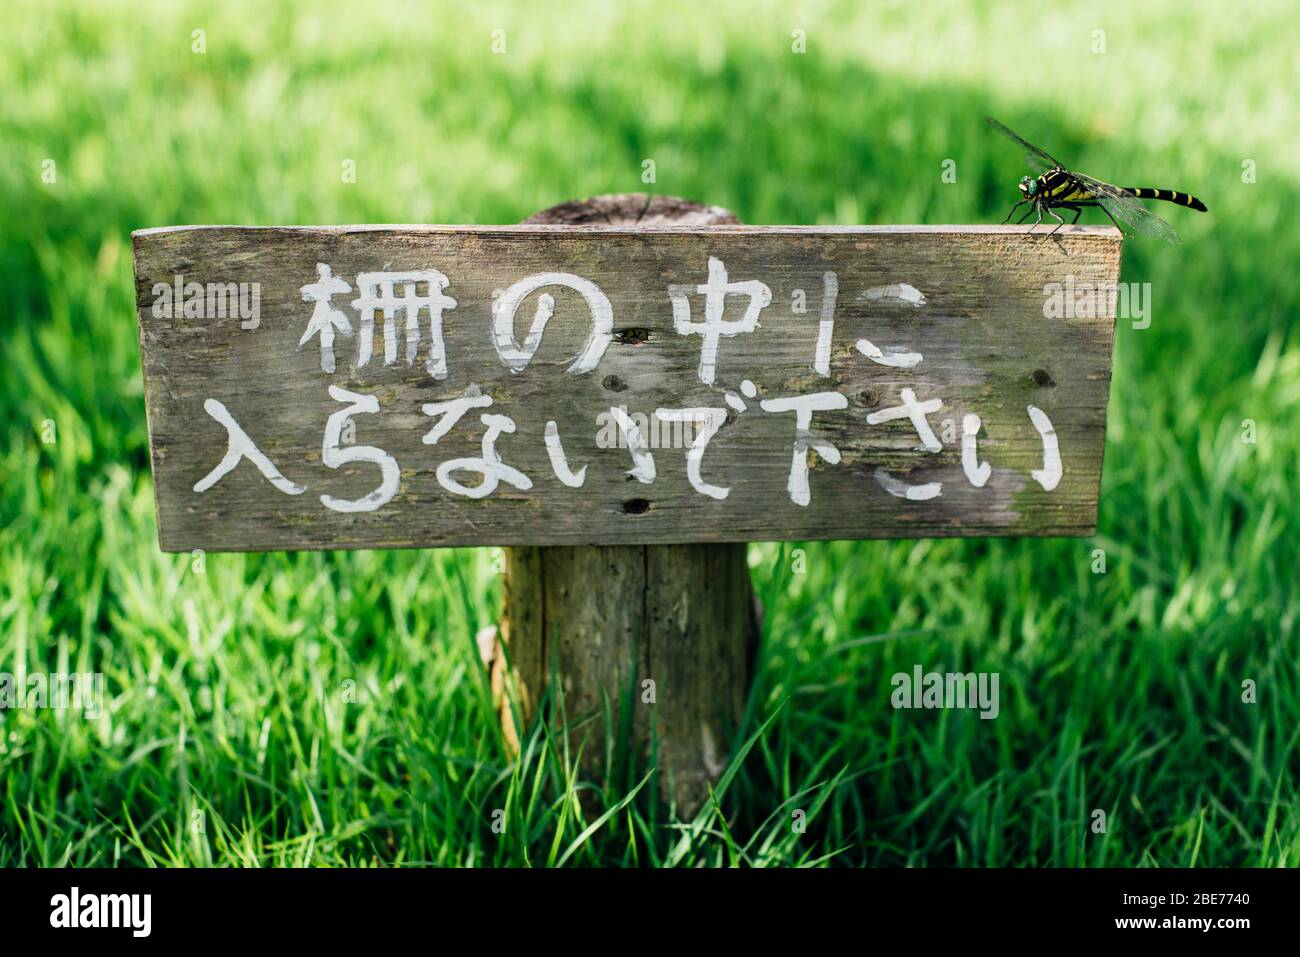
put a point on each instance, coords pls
(1056, 188)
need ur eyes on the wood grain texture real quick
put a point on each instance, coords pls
(682, 617)
(988, 349)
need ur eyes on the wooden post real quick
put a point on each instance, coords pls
(612, 617)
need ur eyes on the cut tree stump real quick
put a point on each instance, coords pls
(652, 644)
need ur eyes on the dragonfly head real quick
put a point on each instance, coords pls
(1028, 187)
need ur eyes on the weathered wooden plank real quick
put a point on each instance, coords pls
(969, 300)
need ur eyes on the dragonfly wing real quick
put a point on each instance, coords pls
(1037, 163)
(1127, 209)
(1040, 161)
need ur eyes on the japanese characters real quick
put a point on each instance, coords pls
(407, 311)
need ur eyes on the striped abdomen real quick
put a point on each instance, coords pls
(1168, 195)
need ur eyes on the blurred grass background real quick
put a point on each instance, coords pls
(226, 738)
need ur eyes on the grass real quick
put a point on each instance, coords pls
(330, 708)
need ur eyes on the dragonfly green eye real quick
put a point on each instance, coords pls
(1028, 185)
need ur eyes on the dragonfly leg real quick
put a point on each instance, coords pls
(1029, 212)
(1112, 219)
(1059, 221)
(1013, 211)
(1078, 211)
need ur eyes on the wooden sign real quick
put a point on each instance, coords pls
(395, 386)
